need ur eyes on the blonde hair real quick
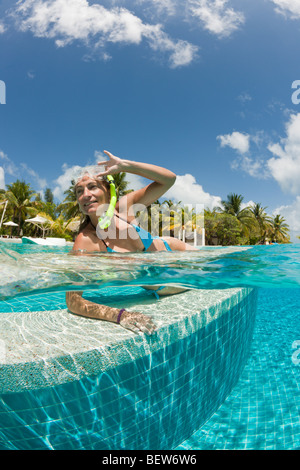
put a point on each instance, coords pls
(91, 170)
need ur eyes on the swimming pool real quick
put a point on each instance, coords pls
(200, 383)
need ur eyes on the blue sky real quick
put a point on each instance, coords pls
(203, 87)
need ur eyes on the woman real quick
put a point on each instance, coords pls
(121, 235)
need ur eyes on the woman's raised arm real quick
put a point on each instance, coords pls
(162, 179)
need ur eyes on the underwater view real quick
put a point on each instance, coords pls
(261, 411)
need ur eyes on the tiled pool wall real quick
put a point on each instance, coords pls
(137, 393)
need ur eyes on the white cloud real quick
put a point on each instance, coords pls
(216, 16)
(3, 156)
(237, 141)
(165, 6)
(183, 54)
(30, 74)
(135, 181)
(188, 191)
(253, 167)
(66, 21)
(18, 171)
(2, 27)
(291, 213)
(288, 8)
(247, 204)
(285, 165)
(8, 166)
(244, 97)
(40, 182)
(63, 182)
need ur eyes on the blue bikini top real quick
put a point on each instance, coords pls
(145, 236)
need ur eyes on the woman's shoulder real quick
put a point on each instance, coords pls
(86, 240)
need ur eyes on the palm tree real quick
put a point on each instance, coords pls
(170, 218)
(121, 184)
(2, 194)
(233, 206)
(279, 229)
(262, 219)
(19, 196)
(60, 228)
(69, 208)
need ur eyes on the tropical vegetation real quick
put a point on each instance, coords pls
(231, 224)
(236, 224)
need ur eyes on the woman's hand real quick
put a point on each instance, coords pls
(111, 166)
(134, 321)
(138, 322)
(162, 180)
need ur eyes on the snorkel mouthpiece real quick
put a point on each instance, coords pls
(105, 220)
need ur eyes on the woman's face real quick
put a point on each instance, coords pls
(90, 194)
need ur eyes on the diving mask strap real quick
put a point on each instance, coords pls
(105, 220)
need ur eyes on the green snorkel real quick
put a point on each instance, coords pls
(105, 220)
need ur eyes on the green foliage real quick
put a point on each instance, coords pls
(19, 196)
(255, 226)
(223, 229)
(48, 196)
(121, 184)
(69, 208)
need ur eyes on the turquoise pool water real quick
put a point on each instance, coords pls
(262, 410)
(73, 383)
(43, 269)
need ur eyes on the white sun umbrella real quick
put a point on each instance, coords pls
(10, 223)
(39, 221)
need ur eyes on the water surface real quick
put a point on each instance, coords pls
(35, 268)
